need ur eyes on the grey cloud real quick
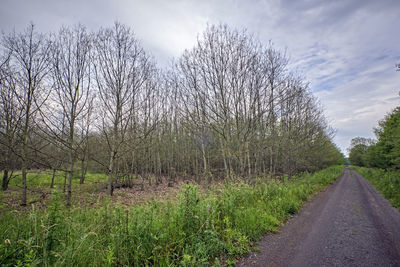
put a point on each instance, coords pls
(347, 49)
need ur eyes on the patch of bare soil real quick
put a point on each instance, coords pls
(92, 195)
(136, 195)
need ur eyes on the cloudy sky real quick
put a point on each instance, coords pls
(346, 49)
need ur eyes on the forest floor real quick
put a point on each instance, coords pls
(92, 192)
(350, 224)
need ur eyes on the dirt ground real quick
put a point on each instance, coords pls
(92, 194)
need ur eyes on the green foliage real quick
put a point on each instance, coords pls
(386, 182)
(358, 150)
(388, 145)
(357, 154)
(194, 230)
(324, 156)
(385, 153)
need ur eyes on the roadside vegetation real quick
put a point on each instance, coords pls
(199, 227)
(386, 182)
(379, 160)
(383, 153)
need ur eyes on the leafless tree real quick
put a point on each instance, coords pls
(121, 70)
(228, 107)
(84, 145)
(10, 120)
(30, 59)
(224, 88)
(71, 54)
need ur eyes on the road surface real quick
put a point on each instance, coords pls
(350, 224)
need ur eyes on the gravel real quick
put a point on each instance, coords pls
(350, 224)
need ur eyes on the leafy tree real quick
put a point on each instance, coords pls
(358, 150)
(385, 153)
(388, 145)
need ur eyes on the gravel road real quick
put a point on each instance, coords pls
(350, 224)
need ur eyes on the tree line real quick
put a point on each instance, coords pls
(384, 152)
(228, 107)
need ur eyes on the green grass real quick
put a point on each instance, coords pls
(386, 182)
(42, 178)
(196, 229)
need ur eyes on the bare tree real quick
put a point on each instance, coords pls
(10, 120)
(274, 65)
(229, 107)
(222, 86)
(71, 86)
(121, 70)
(85, 127)
(30, 59)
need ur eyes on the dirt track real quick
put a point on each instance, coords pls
(350, 224)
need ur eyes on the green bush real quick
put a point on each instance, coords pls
(195, 229)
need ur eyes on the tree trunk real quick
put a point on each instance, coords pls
(203, 153)
(52, 178)
(110, 175)
(248, 158)
(225, 162)
(142, 185)
(24, 157)
(5, 180)
(70, 175)
(172, 175)
(65, 180)
(23, 184)
(229, 161)
(83, 172)
(271, 161)
(159, 180)
(133, 166)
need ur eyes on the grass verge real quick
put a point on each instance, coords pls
(386, 182)
(196, 229)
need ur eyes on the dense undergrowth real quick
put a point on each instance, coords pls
(197, 229)
(386, 182)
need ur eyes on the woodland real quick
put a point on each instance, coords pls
(77, 101)
(91, 128)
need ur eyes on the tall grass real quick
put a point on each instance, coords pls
(196, 229)
(386, 182)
